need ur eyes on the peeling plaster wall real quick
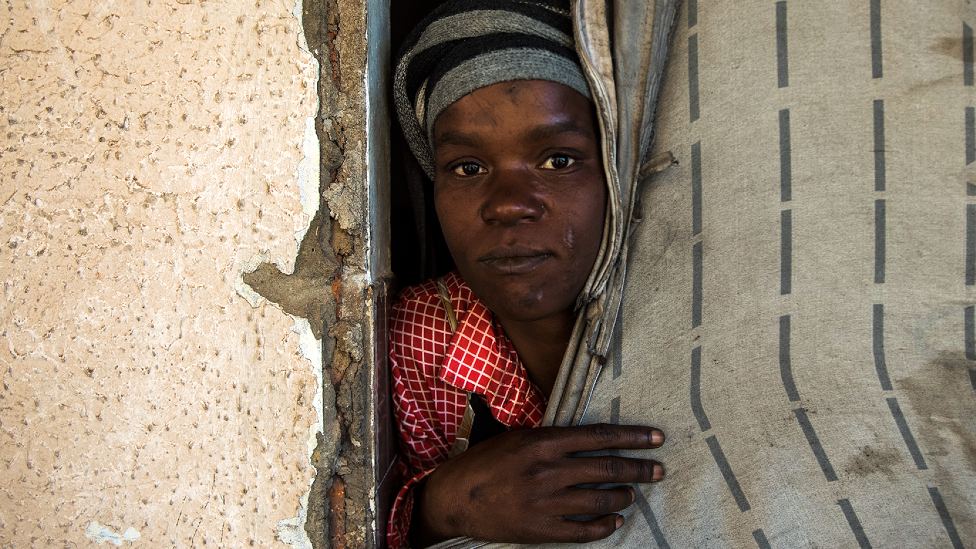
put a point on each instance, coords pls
(152, 153)
(344, 512)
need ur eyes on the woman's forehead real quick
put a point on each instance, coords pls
(537, 108)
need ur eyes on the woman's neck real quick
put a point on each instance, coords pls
(541, 345)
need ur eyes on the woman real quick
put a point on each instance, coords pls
(497, 111)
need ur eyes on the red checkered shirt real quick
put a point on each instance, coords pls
(432, 371)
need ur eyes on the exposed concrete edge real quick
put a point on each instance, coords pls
(248, 267)
(292, 531)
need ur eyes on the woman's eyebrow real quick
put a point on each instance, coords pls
(457, 139)
(547, 131)
(537, 133)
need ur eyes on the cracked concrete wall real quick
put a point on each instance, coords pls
(152, 153)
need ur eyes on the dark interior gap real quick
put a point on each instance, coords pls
(418, 251)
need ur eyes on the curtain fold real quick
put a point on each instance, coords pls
(622, 45)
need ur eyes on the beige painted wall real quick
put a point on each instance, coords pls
(151, 152)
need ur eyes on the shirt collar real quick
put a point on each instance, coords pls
(480, 359)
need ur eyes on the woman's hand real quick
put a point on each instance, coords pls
(519, 486)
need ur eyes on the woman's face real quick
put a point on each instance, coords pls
(520, 194)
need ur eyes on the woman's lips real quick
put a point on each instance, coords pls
(514, 260)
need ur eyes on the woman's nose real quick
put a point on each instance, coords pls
(512, 198)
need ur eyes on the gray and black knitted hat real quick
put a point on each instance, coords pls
(464, 45)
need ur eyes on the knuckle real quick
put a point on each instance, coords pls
(537, 443)
(612, 468)
(604, 433)
(603, 503)
(532, 437)
(581, 535)
(534, 472)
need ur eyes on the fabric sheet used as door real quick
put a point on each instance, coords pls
(798, 313)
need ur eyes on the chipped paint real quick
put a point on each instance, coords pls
(100, 534)
(292, 530)
(308, 172)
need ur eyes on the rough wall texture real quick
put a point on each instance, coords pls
(151, 154)
(335, 253)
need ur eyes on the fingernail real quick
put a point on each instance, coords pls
(658, 472)
(633, 495)
(620, 521)
(657, 437)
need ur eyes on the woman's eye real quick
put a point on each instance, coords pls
(557, 162)
(469, 168)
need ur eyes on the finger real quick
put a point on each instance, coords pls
(613, 469)
(603, 436)
(571, 531)
(593, 501)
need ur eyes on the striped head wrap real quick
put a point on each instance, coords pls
(464, 45)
